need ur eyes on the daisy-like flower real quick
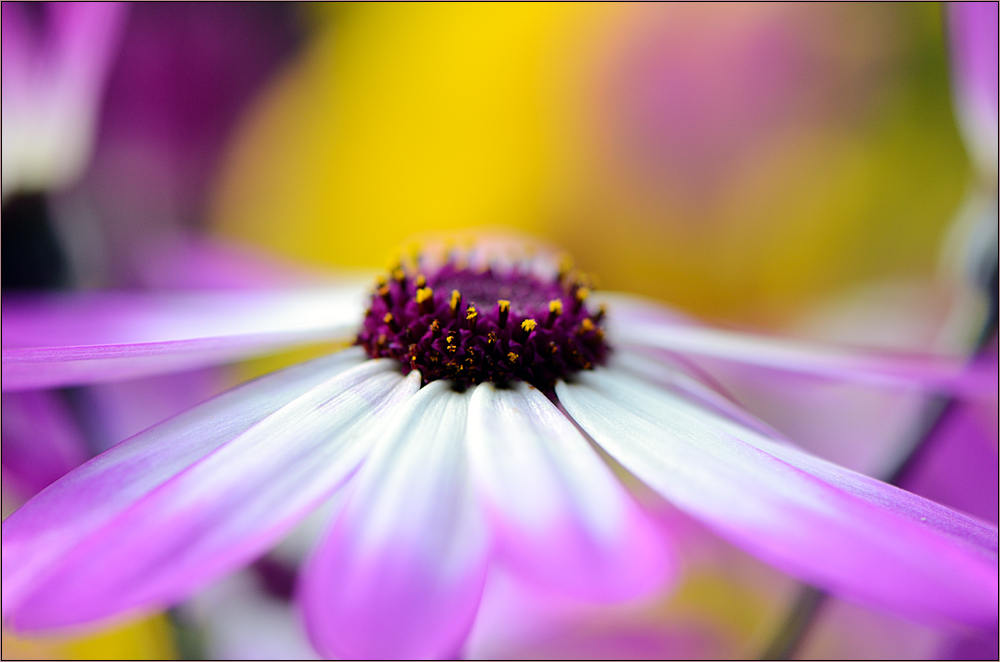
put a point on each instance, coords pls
(465, 427)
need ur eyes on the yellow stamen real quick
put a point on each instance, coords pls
(424, 293)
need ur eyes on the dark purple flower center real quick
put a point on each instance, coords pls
(473, 326)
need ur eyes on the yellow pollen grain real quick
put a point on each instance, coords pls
(504, 305)
(449, 339)
(388, 318)
(512, 357)
(555, 307)
(529, 325)
(582, 293)
(421, 281)
(424, 293)
(471, 313)
(586, 325)
(456, 298)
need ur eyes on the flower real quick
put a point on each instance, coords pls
(56, 59)
(454, 436)
(972, 28)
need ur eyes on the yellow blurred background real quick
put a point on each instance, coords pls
(734, 160)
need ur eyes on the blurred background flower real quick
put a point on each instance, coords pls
(795, 167)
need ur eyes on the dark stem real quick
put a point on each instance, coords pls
(792, 632)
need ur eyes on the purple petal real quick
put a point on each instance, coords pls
(826, 525)
(115, 411)
(957, 465)
(401, 573)
(638, 328)
(43, 536)
(59, 340)
(54, 72)
(224, 510)
(563, 519)
(972, 31)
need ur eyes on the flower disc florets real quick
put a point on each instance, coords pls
(477, 324)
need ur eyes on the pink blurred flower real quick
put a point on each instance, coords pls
(438, 484)
(56, 59)
(972, 31)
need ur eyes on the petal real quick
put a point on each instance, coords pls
(652, 369)
(401, 573)
(44, 532)
(224, 510)
(64, 339)
(564, 520)
(850, 534)
(642, 327)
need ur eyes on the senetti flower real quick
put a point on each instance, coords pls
(457, 432)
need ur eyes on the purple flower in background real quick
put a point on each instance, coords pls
(433, 484)
(159, 96)
(972, 32)
(56, 59)
(186, 75)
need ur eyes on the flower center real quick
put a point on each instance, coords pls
(476, 325)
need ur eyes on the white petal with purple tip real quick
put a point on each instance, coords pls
(563, 519)
(643, 328)
(65, 339)
(42, 533)
(851, 535)
(401, 573)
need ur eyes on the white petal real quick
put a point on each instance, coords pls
(66, 339)
(81, 503)
(829, 526)
(644, 329)
(402, 571)
(564, 519)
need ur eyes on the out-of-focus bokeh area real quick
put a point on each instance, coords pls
(733, 160)
(796, 168)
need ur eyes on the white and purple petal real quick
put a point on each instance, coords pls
(563, 520)
(837, 529)
(401, 573)
(135, 525)
(642, 325)
(65, 339)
